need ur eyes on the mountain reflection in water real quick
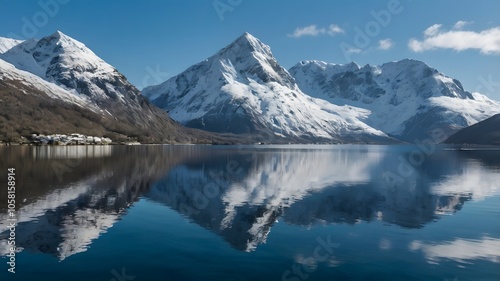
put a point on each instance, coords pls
(69, 196)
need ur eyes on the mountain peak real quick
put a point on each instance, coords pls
(247, 43)
(325, 66)
(63, 39)
(63, 60)
(58, 34)
(408, 63)
(247, 37)
(247, 34)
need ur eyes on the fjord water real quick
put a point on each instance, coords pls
(253, 213)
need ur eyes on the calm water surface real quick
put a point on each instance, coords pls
(252, 213)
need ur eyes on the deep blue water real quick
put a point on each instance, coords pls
(253, 213)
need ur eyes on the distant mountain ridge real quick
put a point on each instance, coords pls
(58, 85)
(242, 89)
(407, 99)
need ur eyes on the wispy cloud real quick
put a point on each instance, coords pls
(353, 51)
(314, 30)
(311, 30)
(432, 30)
(486, 41)
(460, 24)
(385, 44)
(334, 29)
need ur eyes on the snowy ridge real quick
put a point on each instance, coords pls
(7, 44)
(399, 95)
(243, 89)
(61, 59)
(9, 73)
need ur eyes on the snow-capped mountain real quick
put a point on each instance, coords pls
(243, 89)
(7, 44)
(70, 74)
(406, 99)
(69, 63)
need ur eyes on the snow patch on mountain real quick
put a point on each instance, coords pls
(7, 44)
(11, 74)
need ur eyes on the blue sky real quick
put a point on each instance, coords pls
(149, 41)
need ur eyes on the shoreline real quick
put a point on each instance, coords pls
(452, 147)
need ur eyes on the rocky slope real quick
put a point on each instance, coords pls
(486, 132)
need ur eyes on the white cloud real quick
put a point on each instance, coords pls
(313, 30)
(486, 41)
(432, 30)
(460, 24)
(334, 29)
(385, 44)
(353, 51)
